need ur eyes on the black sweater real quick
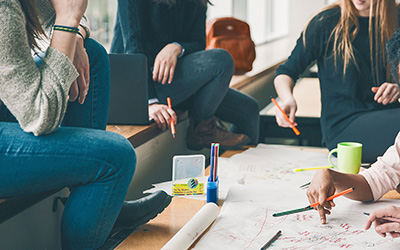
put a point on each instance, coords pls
(343, 97)
(144, 26)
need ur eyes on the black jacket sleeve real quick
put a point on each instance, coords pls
(197, 38)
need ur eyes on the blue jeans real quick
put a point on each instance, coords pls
(201, 85)
(95, 164)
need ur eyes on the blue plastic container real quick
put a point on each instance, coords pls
(212, 190)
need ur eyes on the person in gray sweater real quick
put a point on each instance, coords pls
(53, 113)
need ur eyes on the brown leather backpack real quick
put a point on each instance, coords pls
(232, 35)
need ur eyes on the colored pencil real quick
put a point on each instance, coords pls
(313, 168)
(269, 243)
(334, 196)
(309, 207)
(216, 155)
(387, 218)
(305, 185)
(295, 130)
(172, 121)
(212, 162)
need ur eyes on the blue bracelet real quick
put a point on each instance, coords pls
(66, 28)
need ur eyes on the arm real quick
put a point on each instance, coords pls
(288, 73)
(326, 182)
(37, 97)
(197, 38)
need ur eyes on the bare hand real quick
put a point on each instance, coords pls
(290, 108)
(382, 226)
(321, 187)
(80, 86)
(69, 12)
(165, 63)
(386, 93)
(162, 115)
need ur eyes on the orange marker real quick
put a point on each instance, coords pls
(295, 130)
(334, 196)
(172, 121)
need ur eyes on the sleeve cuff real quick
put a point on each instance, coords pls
(183, 49)
(153, 100)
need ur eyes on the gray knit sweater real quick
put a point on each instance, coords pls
(37, 97)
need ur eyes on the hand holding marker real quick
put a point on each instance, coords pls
(172, 120)
(309, 207)
(295, 130)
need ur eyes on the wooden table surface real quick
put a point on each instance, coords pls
(155, 234)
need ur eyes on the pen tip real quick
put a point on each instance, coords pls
(173, 136)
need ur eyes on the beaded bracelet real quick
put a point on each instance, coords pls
(66, 28)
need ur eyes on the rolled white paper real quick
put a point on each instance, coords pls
(185, 237)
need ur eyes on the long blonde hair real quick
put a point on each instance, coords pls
(346, 30)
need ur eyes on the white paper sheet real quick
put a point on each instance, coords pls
(246, 222)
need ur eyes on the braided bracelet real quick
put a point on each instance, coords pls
(66, 28)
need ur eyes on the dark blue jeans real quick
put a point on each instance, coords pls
(201, 84)
(96, 165)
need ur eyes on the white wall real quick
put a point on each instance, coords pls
(300, 12)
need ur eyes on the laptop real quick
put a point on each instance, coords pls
(129, 96)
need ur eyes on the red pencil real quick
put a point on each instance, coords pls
(295, 130)
(172, 121)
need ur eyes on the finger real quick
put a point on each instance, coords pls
(172, 114)
(83, 89)
(379, 93)
(374, 89)
(163, 122)
(165, 74)
(73, 92)
(332, 204)
(387, 95)
(395, 234)
(167, 117)
(389, 227)
(157, 121)
(171, 74)
(87, 76)
(322, 215)
(161, 72)
(156, 70)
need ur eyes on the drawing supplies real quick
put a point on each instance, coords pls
(295, 130)
(305, 185)
(313, 168)
(334, 196)
(212, 162)
(309, 207)
(386, 218)
(269, 243)
(298, 210)
(213, 182)
(172, 121)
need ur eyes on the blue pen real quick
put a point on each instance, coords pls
(212, 162)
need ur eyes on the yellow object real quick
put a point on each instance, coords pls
(306, 169)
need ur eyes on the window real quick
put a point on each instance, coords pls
(268, 19)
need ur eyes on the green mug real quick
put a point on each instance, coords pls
(349, 157)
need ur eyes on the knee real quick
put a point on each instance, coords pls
(119, 153)
(96, 53)
(222, 60)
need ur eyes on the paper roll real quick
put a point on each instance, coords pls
(185, 237)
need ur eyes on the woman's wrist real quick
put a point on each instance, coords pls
(64, 21)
